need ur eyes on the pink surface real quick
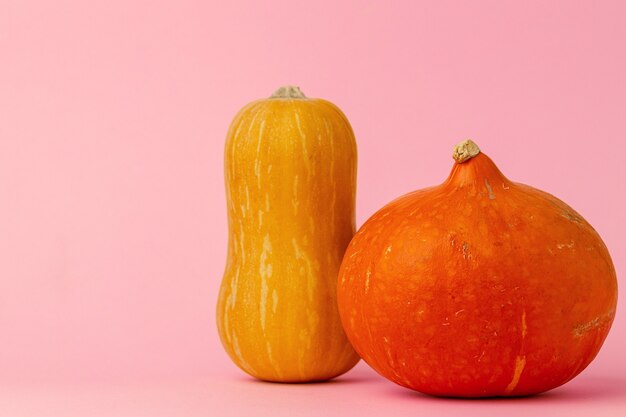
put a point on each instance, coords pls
(112, 221)
(360, 393)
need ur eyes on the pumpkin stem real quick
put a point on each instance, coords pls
(288, 91)
(465, 151)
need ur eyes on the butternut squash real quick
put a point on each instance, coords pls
(290, 168)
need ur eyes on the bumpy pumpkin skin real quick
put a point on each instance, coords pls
(477, 287)
(290, 168)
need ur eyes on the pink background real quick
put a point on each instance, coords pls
(112, 214)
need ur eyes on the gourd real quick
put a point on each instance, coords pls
(477, 287)
(290, 168)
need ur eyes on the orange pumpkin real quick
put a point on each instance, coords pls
(477, 287)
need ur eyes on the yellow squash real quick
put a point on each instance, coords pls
(290, 167)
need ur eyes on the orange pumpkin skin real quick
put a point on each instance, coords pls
(477, 287)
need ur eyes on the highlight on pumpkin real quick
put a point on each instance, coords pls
(477, 287)
(277, 314)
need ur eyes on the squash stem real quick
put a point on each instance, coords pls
(465, 151)
(288, 91)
